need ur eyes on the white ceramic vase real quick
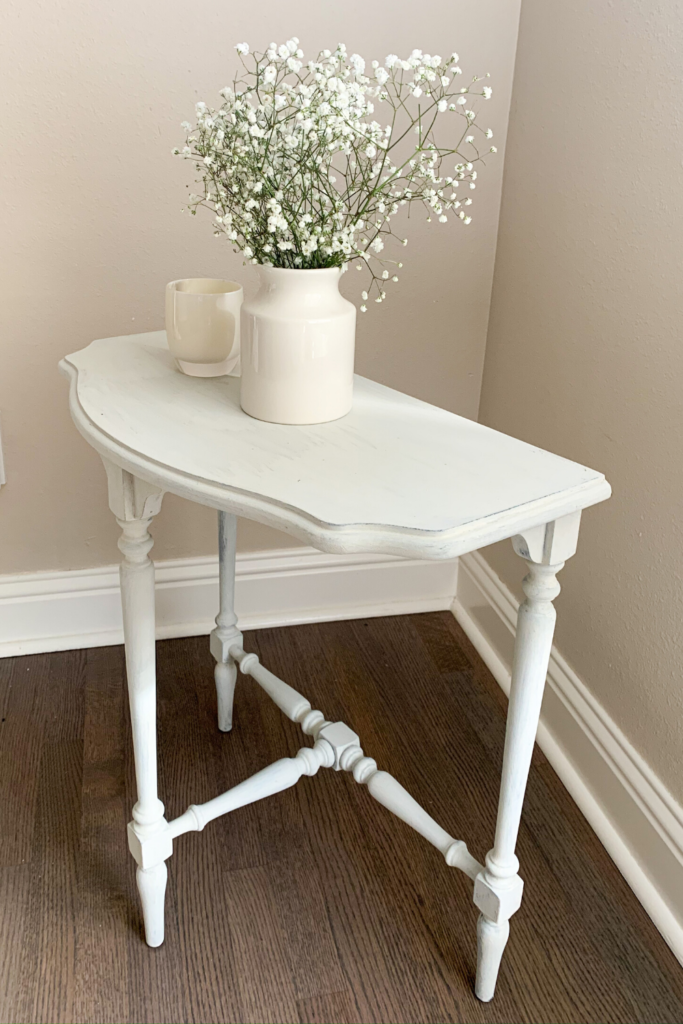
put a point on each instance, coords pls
(298, 340)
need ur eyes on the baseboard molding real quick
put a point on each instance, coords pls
(59, 611)
(634, 815)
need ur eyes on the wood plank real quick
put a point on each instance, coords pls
(23, 683)
(261, 954)
(49, 947)
(337, 1007)
(302, 907)
(191, 752)
(105, 891)
(15, 885)
(205, 943)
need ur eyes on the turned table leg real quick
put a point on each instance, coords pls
(226, 631)
(134, 503)
(498, 888)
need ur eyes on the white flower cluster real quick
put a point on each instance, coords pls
(298, 172)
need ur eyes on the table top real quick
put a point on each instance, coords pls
(394, 475)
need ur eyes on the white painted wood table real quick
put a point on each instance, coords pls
(396, 475)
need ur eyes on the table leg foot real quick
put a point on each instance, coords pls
(152, 889)
(225, 675)
(491, 941)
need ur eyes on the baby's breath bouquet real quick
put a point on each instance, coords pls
(305, 165)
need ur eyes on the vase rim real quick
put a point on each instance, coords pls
(299, 270)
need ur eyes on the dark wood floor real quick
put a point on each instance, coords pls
(315, 905)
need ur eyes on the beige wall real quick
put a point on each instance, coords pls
(93, 94)
(585, 355)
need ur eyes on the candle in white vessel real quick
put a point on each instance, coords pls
(203, 325)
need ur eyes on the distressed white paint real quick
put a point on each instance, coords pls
(498, 890)
(133, 503)
(431, 483)
(434, 484)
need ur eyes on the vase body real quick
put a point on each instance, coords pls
(298, 341)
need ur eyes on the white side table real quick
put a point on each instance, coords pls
(396, 475)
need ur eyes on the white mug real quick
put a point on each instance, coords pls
(203, 325)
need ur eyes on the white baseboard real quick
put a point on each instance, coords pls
(59, 611)
(634, 815)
